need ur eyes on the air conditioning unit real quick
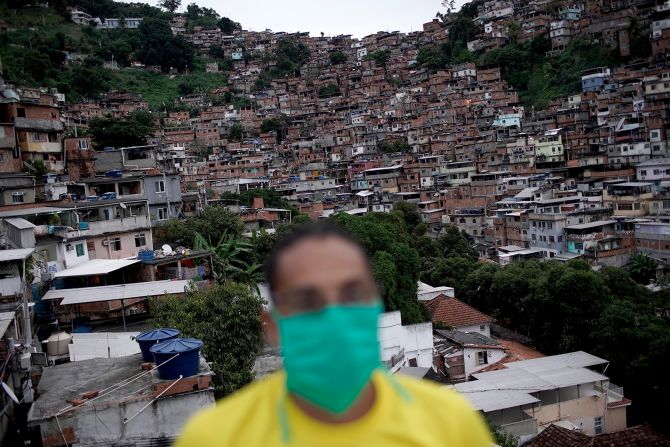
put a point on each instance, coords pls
(105, 242)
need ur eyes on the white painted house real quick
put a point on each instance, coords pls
(405, 345)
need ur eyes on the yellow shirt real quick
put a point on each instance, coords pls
(424, 415)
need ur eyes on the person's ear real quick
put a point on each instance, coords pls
(270, 328)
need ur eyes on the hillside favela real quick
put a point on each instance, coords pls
(199, 216)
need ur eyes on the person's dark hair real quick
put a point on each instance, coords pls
(312, 230)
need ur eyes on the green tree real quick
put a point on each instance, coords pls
(113, 132)
(160, 47)
(380, 57)
(227, 318)
(173, 232)
(409, 213)
(642, 269)
(37, 168)
(170, 5)
(394, 146)
(277, 124)
(386, 233)
(228, 26)
(214, 222)
(337, 58)
(329, 90)
(236, 132)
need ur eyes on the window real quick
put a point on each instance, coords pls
(482, 328)
(115, 243)
(140, 240)
(17, 197)
(21, 112)
(90, 245)
(159, 185)
(80, 250)
(162, 213)
(36, 136)
(482, 358)
(83, 144)
(598, 424)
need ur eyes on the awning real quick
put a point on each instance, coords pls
(6, 319)
(116, 292)
(15, 255)
(96, 267)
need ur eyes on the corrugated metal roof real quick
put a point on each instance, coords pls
(31, 211)
(116, 292)
(6, 319)
(586, 226)
(493, 400)
(103, 345)
(18, 254)
(577, 359)
(19, 223)
(96, 267)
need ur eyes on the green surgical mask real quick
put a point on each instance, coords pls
(330, 355)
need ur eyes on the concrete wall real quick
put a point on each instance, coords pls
(416, 340)
(70, 257)
(128, 248)
(96, 424)
(476, 328)
(11, 285)
(581, 412)
(615, 420)
(470, 358)
(172, 189)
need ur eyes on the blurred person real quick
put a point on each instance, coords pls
(333, 390)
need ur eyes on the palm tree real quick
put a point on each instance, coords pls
(229, 260)
(642, 269)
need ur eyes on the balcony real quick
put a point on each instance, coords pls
(527, 427)
(38, 124)
(98, 228)
(41, 146)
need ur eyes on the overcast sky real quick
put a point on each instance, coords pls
(357, 17)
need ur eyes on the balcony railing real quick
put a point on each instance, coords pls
(527, 427)
(395, 359)
(614, 392)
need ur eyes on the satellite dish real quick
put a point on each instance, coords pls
(167, 249)
(10, 393)
(123, 205)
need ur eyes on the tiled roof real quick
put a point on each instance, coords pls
(454, 313)
(514, 352)
(641, 435)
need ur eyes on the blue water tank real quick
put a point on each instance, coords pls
(146, 255)
(147, 339)
(187, 362)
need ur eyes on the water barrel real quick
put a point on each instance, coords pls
(146, 255)
(58, 344)
(186, 364)
(147, 339)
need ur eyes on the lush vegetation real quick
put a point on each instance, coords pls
(227, 318)
(214, 222)
(393, 146)
(337, 58)
(130, 131)
(36, 54)
(540, 78)
(329, 90)
(288, 59)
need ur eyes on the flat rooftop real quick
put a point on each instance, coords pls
(70, 380)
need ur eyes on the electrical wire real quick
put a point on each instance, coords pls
(115, 387)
